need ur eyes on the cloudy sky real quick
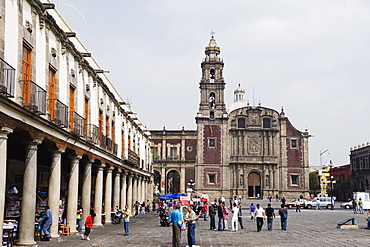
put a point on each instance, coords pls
(311, 57)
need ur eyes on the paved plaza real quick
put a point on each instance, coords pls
(309, 228)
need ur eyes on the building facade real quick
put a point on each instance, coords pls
(240, 150)
(68, 139)
(360, 168)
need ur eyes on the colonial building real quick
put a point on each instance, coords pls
(67, 137)
(360, 167)
(240, 150)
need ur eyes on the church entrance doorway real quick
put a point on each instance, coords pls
(254, 185)
(173, 182)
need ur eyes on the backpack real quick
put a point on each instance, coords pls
(284, 213)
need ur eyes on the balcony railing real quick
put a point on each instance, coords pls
(60, 117)
(35, 97)
(109, 145)
(7, 76)
(92, 133)
(115, 149)
(103, 141)
(77, 123)
(133, 158)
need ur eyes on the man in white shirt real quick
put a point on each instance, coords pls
(234, 220)
(259, 214)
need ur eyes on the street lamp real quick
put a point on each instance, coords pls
(332, 181)
(191, 185)
(321, 180)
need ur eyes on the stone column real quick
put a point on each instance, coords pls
(151, 189)
(116, 189)
(124, 190)
(54, 189)
(4, 132)
(73, 193)
(134, 189)
(108, 195)
(98, 196)
(140, 189)
(182, 179)
(163, 180)
(27, 221)
(86, 191)
(145, 190)
(129, 191)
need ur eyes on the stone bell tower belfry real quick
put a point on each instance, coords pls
(211, 166)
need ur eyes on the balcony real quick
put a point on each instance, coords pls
(133, 158)
(7, 76)
(77, 123)
(60, 113)
(92, 133)
(34, 97)
(109, 144)
(103, 142)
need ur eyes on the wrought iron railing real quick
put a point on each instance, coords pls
(60, 115)
(133, 158)
(115, 149)
(109, 145)
(92, 133)
(34, 97)
(103, 141)
(7, 79)
(77, 123)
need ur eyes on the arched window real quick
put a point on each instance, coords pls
(212, 100)
(241, 123)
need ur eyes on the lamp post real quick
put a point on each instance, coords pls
(321, 180)
(191, 185)
(332, 181)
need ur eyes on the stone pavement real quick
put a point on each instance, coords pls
(308, 228)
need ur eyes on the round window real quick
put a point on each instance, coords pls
(189, 148)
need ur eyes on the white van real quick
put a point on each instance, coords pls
(324, 202)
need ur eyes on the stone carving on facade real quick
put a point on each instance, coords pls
(253, 119)
(254, 145)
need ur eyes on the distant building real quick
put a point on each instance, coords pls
(237, 150)
(342, 187)
(360, 167)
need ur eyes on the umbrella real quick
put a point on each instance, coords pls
(177, 195)
(166, 197)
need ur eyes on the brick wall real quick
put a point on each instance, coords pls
(212, 155)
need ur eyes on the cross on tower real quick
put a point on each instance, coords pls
(212, 33)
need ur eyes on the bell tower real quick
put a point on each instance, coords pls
(211, 167)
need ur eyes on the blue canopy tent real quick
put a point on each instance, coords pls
(177, 195)
(166, 197)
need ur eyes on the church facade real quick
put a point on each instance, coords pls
(241, 149)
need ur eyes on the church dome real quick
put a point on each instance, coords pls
(239, 100)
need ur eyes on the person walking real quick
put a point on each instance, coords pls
(259, 215)
(88, 225)
(136, 206)
(225, 216)
(283, 212)
(176, 219)
(234, 219)
(212, 214)
(220, 216)
(191, 218)
(240, 215)
(283, 200)
(252, 208)
(318, 207)
(270, 214)
(205, 209)
(354, 205)
(126, 220)
(298, 205)
(361, 206)
(48, 221)
(277, 197)
(79, 219)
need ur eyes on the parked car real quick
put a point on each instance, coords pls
(291, 204)
(324, 202)
(347, 205)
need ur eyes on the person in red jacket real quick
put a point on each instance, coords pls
(88, 225)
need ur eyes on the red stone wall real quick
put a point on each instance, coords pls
(191, 155)
(212, 155)
(214, 170)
